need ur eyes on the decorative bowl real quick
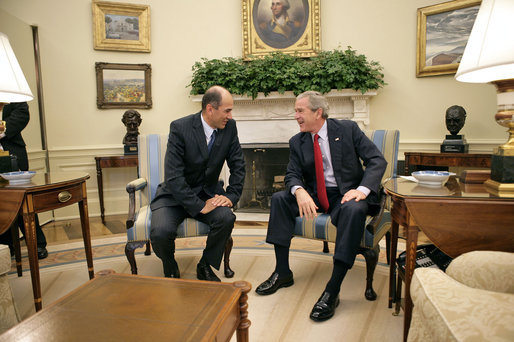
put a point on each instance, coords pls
(432, 178)
(18, 177)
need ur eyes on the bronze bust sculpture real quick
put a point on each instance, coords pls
(455, 119)
(131, 119)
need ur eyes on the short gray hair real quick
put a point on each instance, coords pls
(316, 101)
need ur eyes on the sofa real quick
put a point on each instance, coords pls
(472, 301)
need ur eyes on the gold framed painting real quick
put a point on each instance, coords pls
(443, 31)
(281, 25)
(123, 85)
(121, 27)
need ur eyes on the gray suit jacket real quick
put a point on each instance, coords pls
(348, 146)
(189, 169)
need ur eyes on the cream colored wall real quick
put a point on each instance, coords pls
(182, 32)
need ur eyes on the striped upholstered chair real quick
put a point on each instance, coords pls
(377, 226)
(151, 151)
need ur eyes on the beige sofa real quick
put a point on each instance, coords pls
(8, 314)
(472, 301)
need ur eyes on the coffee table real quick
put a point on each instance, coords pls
(122, 307)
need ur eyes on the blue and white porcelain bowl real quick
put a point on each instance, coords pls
(18, 177)
(432, 178)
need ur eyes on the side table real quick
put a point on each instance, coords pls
(107, 162)
(482, 160)
(45, 191)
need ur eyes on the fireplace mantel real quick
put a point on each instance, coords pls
(270, 119)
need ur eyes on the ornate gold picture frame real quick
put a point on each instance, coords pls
(290, 27)
(121, 27)
(123, 85)
(443, 31)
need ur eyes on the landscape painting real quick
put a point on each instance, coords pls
(123, 85)
(443, 32)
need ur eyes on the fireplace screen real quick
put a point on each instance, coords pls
(266, 166)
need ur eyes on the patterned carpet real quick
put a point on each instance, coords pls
(114, 247)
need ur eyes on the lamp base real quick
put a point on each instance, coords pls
(502, 168)
(499, 189)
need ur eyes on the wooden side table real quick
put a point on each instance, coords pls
(122, 307)
(415, 159)
(107, 162)
(46, 191)
(455, 221)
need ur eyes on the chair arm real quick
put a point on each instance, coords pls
(487, 270)
(446, 310)
(132, 187)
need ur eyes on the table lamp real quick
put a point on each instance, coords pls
(489, 58)
(13, 88)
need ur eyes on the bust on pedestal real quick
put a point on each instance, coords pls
(131, 119)
(455, 118)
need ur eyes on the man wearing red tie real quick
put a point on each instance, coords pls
(325, 174)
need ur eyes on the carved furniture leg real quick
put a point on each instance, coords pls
(148, 249)
(244, 323)
(226, 258)
(371, 256)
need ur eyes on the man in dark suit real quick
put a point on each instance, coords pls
(336, 183)
(198, 146)
(16, 117)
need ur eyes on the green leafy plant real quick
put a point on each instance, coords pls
(281, 72)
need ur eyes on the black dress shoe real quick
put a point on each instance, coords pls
(273, 283)
(42, 252)
(324, 307)
(204, 272)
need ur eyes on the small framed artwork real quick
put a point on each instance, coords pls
(281, 25)
(443, 31)
(123, 85)
(121, 27)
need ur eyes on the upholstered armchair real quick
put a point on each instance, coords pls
(151, 152)
(472, 301)
(8, 314)
(321, 228)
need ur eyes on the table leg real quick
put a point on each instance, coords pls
(15, 235)
(86, 234)
(410, 262)
(99, 179)
(392, 258)
(244, 323)
(29, 220)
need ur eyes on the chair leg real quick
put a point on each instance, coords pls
(130, 248)
(148, 249)
(325, 247)
(371, 256)
(388, 247)
(226, 258)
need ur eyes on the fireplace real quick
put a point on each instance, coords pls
(265, 170)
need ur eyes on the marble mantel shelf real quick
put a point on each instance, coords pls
(343, 104)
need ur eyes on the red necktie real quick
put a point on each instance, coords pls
(320, 176)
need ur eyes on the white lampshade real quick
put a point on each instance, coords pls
(13, 85)
(489, 53)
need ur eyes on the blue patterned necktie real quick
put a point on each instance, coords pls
(211, 142)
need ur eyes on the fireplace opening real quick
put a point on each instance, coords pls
(266, 166)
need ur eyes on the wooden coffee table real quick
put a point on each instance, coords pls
(122, 307)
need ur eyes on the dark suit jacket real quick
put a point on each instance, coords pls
(348, 146)
(189, 169)
(16, 116)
